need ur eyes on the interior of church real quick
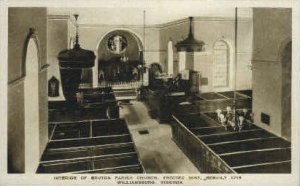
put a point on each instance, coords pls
(103, 90)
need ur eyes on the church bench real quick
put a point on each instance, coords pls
(98, 97)
(68, 130)
(108, 130)
(214, 150)
(234, 136)
(91, 146)
(100, 163)
(211, 96)
(131, 169)
(63, 167)
(213, 105)
(220, 100)
(186, 109)
(97, 89)
(230, 95)
(207, 130)
(93, 128)
(98, 103)
(205, 159)
(161, 103)
(87, 112)
(194, 120)
(213, 115)
(87, 164)
(84, 152)
(85, 142)
(255, 157)
(275, 167)
(252, 144)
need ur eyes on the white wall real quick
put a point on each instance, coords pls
(210, 30)
(58, 40)
(272, 30)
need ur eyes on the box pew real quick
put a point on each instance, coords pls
(88, 164)
(194, 121)
(206, 160)
(251, 144)
(83, 129)
(215, 150)
(99, 103)
(67, 130)
(109, 127)
(240, 159)
(160, 103)
(55, 155)
(96, 110)
(99, 97)
(279, 167)
(212, 101)
(187, 108)
(207, 130)
(131, 169)
(234, 136)
(91, 147)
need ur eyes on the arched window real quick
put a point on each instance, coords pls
(221, 65)
(170, 58)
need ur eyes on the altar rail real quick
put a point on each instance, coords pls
(122, 85)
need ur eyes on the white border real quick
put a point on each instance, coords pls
(253, 179)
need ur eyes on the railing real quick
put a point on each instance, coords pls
(122, 85)
(206, 160)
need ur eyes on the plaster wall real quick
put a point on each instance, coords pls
(210, 30)
(20, 20)
(272, 30)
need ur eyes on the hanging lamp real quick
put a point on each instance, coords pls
(190, 44)
(71, 63)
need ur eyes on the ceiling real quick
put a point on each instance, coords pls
(154, 15)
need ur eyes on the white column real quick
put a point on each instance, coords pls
(95, 71)
(189, 61)
(170, 58)
(182, 61)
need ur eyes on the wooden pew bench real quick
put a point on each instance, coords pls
(89, 164)
(257, 157)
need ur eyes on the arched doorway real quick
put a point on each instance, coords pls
(286, 59)
(31, 107)
(221, 66)
(120, 58)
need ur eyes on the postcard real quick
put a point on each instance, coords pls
(149, 92)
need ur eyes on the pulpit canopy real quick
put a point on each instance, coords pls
(190, 44)
(76, 57)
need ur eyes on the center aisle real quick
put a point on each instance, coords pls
(157, 150)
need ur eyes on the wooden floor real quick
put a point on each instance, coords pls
(253, 150)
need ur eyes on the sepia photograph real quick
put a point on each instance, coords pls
(150, 94)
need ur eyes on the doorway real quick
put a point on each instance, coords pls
(31, 107)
